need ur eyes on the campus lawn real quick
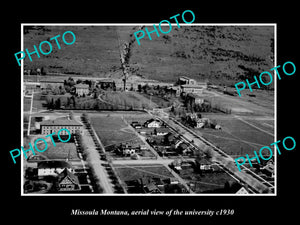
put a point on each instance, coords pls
(112, 130)
(60, 151)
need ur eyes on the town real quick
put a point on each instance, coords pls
(134, 135)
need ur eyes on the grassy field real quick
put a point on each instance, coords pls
(95, 51)
(128, 172)
(237, 137)
(205, 52)
(128, 100)
(113, 130)
(60, 151)
(263, 104)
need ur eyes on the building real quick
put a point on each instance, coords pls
(175, 90)
(204, 164)
(194, 99)
(200, 123)
(52, 168)
(152, 123)
(50, 126)
(49, 84)
(151, 188)
(161, 131)
(188, 85)
(82, 89)
(30, 87)
(196, 89)
(127, 150)
(268, 169)
(186, 80)
(136, 125)
(107, 84)
(242, 191)
(67, 181)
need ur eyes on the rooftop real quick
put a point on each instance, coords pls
(82, 85)
(199, 85)
(53, 164)
(60, 122)
(71, 176)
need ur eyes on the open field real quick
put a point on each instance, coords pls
(204, 52)
(127, 100)
(132, 172)
(112, 130)
(62, 151)
(262, 105)
(237, 137)
(95, 49)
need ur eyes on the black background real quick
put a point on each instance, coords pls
(55, 209)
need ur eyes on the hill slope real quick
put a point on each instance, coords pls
(220, 54)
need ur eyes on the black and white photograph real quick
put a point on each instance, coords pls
(161, 116)
(143, 114)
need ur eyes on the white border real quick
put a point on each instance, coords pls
(151, 24)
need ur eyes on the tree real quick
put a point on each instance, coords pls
(43, 71)
(68, 101)
(57, 103)
(74, 101)
(172, 109)
(139, 88)
(50, 104)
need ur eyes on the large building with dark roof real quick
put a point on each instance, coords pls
(50, 126)
(53, 168)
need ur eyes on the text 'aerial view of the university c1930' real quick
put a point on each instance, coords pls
(162, 117)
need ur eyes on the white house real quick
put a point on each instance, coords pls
(152, 123)
(53, 168)
(82, 89)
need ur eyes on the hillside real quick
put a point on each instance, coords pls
(94, 53)
(220, 54)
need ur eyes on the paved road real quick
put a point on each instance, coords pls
(94, 161)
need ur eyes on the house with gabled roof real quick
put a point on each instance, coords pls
(67, 181)
(152, 123)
